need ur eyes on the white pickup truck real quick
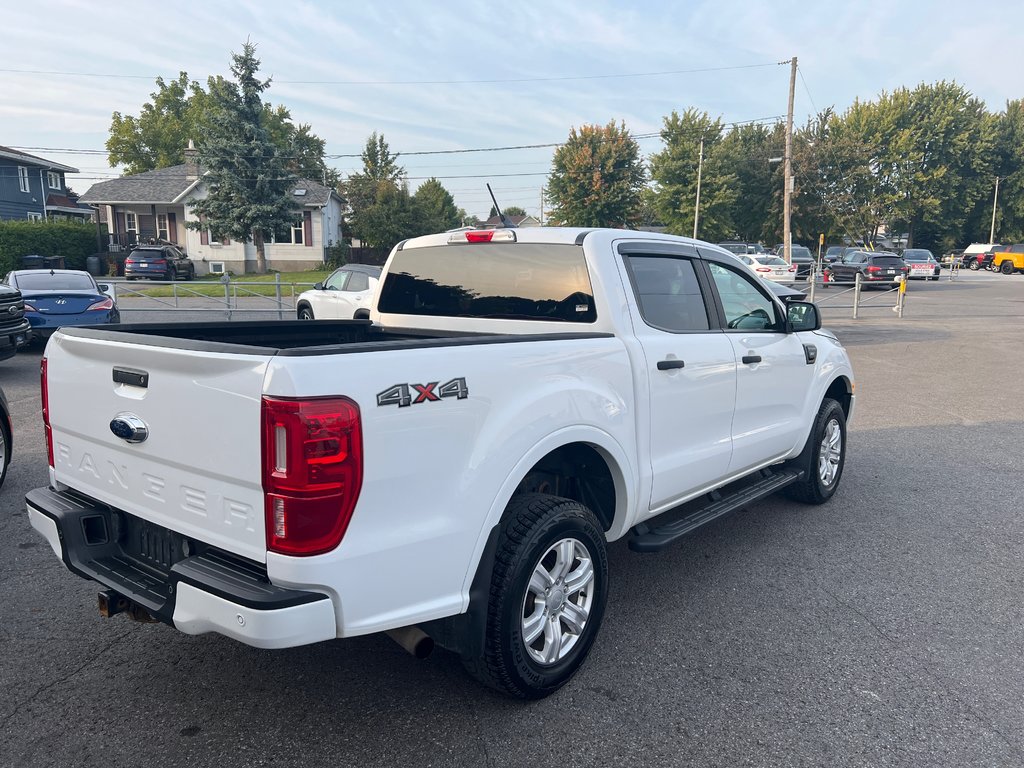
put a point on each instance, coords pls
(450, 470)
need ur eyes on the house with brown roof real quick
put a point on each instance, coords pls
(33, 187)
(157, 206)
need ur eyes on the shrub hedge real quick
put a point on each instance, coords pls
(71, 239)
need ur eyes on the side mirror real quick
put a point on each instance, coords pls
(318, 287)
(802, 316)
(103, 287)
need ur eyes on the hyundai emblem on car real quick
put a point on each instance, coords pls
(129, 427)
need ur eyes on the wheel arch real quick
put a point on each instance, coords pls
(841, 390)
(587, 450)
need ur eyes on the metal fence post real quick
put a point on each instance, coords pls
(227, 293)
(902, 297)
(813, 277)
(856, 294)
(277, 290)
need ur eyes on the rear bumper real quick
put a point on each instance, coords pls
(180, 582)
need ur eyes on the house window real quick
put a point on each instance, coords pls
(32, 216)
(23, 178)
(53, 179)
(162, 232)
(289, 235)
(131, 222)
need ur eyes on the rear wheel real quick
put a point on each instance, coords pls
(169, 277)
(974, 265)
(1006, 268)
(547, 596)
(823, 456)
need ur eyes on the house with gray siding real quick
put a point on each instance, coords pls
(157, 206)
(35, 188)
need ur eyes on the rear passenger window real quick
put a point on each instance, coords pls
(668, 293)
(359, 281)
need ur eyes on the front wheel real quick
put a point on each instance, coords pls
(305, 313)
(547, 596)
(823, 456)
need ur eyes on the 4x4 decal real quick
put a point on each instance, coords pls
(404, 395)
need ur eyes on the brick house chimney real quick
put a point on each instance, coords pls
(191, 162)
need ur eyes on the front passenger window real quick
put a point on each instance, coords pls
(746, 307)
(336, 282)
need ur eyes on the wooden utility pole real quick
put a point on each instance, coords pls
(787, 236)
(696, 205)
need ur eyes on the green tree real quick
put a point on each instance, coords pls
(596, 178)
(392, 217)
(247, 174)
(674, 173)
(745, 152)
(176, 112)
(512, 210)
(179, 111)
(437, 206)
(1010, 169)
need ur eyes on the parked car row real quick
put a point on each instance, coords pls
(874, 268)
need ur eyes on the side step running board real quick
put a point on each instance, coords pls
(647, 538)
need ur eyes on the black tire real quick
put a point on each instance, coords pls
(191, 273)
(533, 525)
(5, 446)
(1006, 268)
(169, 277)
(305, 313)
(974, 266)
(815, 487)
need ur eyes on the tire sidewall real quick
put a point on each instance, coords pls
(537, 680)
(829, 410)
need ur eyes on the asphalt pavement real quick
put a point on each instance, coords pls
(885, 628)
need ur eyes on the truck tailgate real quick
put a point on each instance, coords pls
(190, 474)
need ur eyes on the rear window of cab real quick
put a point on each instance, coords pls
(513, 281)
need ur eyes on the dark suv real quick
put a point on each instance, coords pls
(159, 262)
(803, 259)
(878, 267)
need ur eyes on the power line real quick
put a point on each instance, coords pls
(494, 81)
(550, 145)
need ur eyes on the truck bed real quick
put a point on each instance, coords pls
(290, 337)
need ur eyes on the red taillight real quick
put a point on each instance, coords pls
(104, 304)
(763, 269)
(792, 269)
(874, 269)
(158, 261)
(480, 237)
(312, 472)
(45, 396)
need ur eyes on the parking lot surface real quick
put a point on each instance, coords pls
(884, 628)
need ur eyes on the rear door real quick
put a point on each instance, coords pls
(773, 375)
(690, 372)
(198, 471)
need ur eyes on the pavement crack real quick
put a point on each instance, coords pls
(63, 678)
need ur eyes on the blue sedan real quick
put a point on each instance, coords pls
(60, 297)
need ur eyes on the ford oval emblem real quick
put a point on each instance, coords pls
(129, 428)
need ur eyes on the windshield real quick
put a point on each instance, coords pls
(516, 281)
(44, 281)
(799, 250)
(834, 250)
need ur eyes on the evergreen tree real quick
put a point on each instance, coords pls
(247, 175)
(436, 206)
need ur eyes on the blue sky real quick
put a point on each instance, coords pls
(328, 60)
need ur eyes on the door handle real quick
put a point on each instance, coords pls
(751, 359)
(668, 365)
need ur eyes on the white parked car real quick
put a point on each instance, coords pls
(773, 268)
(345, 295)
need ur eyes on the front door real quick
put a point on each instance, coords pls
(772, 370)
(691, 375)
